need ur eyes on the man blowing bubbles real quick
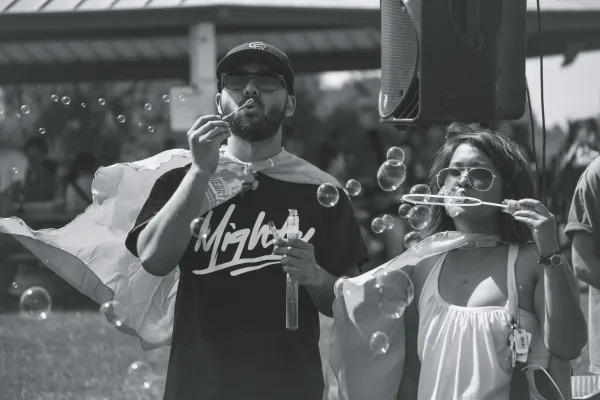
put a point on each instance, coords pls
(229, 336)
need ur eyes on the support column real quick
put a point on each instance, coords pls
(199, 96)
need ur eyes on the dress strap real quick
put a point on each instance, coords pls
(513, 294)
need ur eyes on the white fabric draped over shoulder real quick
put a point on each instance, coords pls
(90, 254)
(356, 373)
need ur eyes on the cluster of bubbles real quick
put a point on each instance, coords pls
(396, 292)
(35, 303)
(328, 194)
(392, 173)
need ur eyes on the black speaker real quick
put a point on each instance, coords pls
(452, 60)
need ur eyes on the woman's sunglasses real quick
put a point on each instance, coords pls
(479, 178)
(267, 81)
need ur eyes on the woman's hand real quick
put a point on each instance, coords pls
(542, 223)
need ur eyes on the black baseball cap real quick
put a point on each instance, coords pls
(258, 51)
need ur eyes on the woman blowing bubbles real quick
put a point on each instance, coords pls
(460, 324)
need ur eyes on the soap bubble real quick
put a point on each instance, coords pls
(25, 109)
(66, 100)
(54, 98)
(101, 101)
(150, 129)
(200, 228)
(18, 115)
(396, 292)
(389, 221)
(113, 312)
(35, 302)
(139, 375)
(166, 98)
(420, 189)
(121, 119)
(395, 153)
(391, 175)
(378, 225)
(148, 106)
(419, 216)
(181, 97)
(379, 343)
(328, 195)
(404, 210)
(42, 131)
(15, 170)
(353, 187)
(411, 239)
(83, 105)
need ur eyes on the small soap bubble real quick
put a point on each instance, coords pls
(148, 106)
(42, 131)
(150, 129)
(121, 119)
(389, 221)
(411, 239)
(328, 195)
(54, 98)
(378, 225)
(379, 343)
(395, 153)
(404, 210)
(391, 175)
(83, 105)
(396, 292)
(419, 216)
(102, 101)
(166, 98)
(25, 109)
(15, 170)
(36, 303)
(420, 189)
(18, 115)
(14, 285)
(181, 97)
(139, 375)
(200, 228)
(353, 187)
(113, 312)
(66, 100)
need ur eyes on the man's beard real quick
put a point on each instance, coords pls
(256, 130)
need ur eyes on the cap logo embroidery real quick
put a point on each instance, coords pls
(257, 45)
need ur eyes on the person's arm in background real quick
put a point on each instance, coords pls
(586, 260)
(163, 241)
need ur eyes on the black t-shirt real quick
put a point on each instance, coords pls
(229, 336)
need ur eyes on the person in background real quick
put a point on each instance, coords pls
(78, 194)
(583, 229)
(40, 179)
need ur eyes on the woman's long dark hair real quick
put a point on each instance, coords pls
(510, 162)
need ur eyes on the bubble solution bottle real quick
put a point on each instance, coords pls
(291, 290)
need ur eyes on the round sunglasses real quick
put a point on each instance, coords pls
(479, 178)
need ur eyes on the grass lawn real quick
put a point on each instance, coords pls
(78, 355)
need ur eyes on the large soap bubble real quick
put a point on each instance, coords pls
(391, 175)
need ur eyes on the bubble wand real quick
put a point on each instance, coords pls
(231, 114)
(508, 206)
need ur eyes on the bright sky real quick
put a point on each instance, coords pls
(570, 92)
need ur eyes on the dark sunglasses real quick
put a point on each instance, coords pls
(479, 178)
(267, 81)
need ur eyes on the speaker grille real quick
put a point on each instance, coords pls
(399, 54)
